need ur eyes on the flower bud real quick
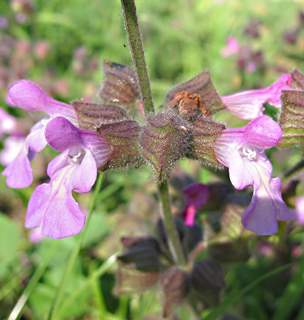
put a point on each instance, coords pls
(207, 278)
(119, 84)
(175, 286)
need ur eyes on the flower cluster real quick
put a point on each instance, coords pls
(94, 137)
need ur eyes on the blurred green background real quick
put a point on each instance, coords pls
(61, 45)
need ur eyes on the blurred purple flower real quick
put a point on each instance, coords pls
(3, 22)
(35, 236)
(232, 47)
(248, 105)
(250, 67)
(242, 151)
(196, 197)
(252, 29)
(30, 97)
(42, 49)
(12, 146)
(298, 212)
(52, 205)
(291, 36)
(7, 123)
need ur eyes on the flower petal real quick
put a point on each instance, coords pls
(19, 172)
(248, 105)
(75, 137)
(26, 95)
(58, 128)
(262, 132)
(239, 172)
(266, 206)
(36, 139)
(85, 174)
(53, 207)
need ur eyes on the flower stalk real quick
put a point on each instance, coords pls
(137, 51)
(173, 239)
(135, 42)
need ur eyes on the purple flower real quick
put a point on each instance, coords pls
(242, 151)
(52, 205)
(30, 97)
(248, 105)
(196, 197)
(7, 123)
(298, 212)
(12, 146)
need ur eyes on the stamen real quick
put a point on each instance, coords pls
(76, 155)
(249, 153)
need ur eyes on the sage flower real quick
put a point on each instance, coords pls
(28, 96)
(242, 151)
(52, 205)
(248, 105)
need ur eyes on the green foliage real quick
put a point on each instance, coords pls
(10, 236)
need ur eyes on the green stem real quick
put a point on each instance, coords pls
(135, 42)
(173, 239)
(16, 312)
(73, 256)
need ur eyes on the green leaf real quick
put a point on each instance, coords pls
(9, 240)
(97, 229)
(217, 312)
(292, 295)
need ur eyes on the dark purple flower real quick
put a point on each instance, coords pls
(196, 197)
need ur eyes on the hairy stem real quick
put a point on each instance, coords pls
(135, 42)
(171, 232)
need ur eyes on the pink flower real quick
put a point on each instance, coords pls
(242, 151)
(232, 47)
(248, 105)
(30, 97)
(196, 197)
(35, 236)
(52, 205)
